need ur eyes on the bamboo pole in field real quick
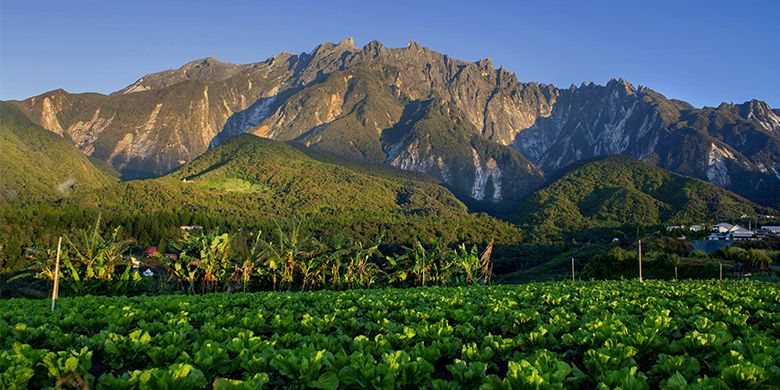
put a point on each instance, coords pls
(55, 289)
(640, 260)
(423, 273)
(572, 270)
(675, 272)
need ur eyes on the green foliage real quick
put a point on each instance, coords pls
(334, 199)
(70, 368)
(548, 335)
(202, 259)
(210, 261)
(617, 192)
(38, 165)
(90, 263)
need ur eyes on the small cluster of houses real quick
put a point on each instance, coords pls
(152, 250)
(727, 231)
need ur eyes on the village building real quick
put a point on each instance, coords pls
(727, 231)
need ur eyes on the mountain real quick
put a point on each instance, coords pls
(733, 146)
(409, 107)
(252, 182)
(338, 98)
(617, 191)
(38, 165)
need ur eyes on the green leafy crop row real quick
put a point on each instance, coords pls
(554, 335)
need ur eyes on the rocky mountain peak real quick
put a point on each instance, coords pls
(757, 107)
(413, 45)
(762, 113)
(347, 42)
(208, 61)
(621, 85)
(374, 48)
(486, 64)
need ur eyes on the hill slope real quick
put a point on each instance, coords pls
(251, 182)
(614, 192)
(36, 164)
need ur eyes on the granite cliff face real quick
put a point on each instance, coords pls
(483, 133)
(734, 146)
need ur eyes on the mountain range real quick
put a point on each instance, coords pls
(489, 138)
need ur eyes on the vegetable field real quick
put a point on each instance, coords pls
(552, 335)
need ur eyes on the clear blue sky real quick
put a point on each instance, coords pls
(704, 52)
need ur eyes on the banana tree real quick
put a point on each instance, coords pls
(184, 268)
(468, 262)
(441, 261)
(242, 272)
(202, 258)
(366, 271)
(331, 267)
(310, 267)
(411, 267)
(281, 258)
(420, 262)
(214, 251)
(96, 257)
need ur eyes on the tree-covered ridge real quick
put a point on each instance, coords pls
(250, 182)
(613, 192)
(36, 164)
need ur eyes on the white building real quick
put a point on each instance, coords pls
(727, 231)
(723, 227)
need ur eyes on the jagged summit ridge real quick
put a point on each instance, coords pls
(343, 99)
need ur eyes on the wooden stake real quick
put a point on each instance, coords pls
(572, 270)
(55, 289)
(721, 271)
(423, 272)
(640, 260)
(675, 272)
